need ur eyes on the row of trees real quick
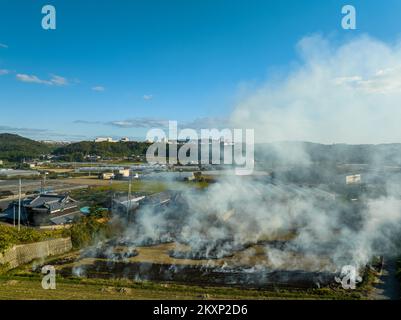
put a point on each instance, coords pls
(78, 151)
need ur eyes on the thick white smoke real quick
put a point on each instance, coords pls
(350, 93)
(237, 212)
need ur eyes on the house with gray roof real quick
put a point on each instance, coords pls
(45, 209)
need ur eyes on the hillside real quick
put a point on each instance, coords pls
(16, 148)
(77, 151)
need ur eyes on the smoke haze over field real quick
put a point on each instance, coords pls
(235, 212)
(350, 93)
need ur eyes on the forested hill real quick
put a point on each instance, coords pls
(77, 151)
(16, 148)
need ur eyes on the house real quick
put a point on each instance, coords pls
(125, 139)
(123, 206)
(92, 157)
(354, 179)
(159, 199)
(123, 174)
(169, 201)
(106, 176)
(193, 176)
(44, 209)
(101, 139)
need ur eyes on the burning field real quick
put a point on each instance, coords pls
(249, 267)
(244, 234)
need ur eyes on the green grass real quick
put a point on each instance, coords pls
(101, 195)
(137, 186)
(153, 186)
(29, 287)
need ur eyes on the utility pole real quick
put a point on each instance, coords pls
(19, 206)
(129, 197)
(14, 214)
(111, 196)
(43, 183)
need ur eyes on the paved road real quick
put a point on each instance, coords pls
(32, 185)
(388, 287)
(4, 204)
(54, 185)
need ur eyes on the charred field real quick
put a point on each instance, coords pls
(285, 236)
(246, 268)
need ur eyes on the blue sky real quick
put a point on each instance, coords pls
(112, 61)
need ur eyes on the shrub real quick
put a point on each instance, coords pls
(10, 236)
(86, 230)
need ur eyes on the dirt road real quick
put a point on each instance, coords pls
(388, 287)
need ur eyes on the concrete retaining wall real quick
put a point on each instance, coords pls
(24, 253)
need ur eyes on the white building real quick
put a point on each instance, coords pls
(354, 179)
(106, 176)
(124, 173)
(102, 139)
(125, 139)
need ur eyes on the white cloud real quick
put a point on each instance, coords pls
(30, 78)
(98, 88)
(40, 133)
(4, 72)
(147, 97)
(2, 45)
(197, 124)
(58, 81)
(139, 123)
(54, 80)
(349, 93)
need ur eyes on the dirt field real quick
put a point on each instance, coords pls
(254, 255)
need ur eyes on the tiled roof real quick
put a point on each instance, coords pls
(51, 202)
(46, 199)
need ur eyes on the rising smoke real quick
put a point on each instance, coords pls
(350, 93)
(300, 227)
